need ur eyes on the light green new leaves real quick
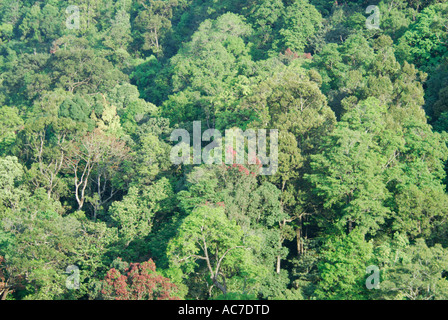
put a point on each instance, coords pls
(10, 122)
(348, 173)
(135, 213)
(412, 271)
(206, 67)
(11, 177)
(208, 236)
(424, 43)
(343, 267)
(301, 22)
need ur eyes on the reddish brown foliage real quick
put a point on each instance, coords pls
(245, 171)
(307, 55)
(2, 276)
(290, 54)
(140, 282)
(5, 288)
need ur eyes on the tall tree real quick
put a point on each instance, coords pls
(95, 156)
(140, 281)
(208, 236)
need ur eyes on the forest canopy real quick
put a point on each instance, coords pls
(93, 207)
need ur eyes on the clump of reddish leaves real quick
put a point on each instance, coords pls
(241, 168)
(139, 282)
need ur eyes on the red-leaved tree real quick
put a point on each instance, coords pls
(139, 282)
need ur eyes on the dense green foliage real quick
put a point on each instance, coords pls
(86, 179)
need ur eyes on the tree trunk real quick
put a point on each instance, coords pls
(221, 287)
(5, 293)
(299, 241)
(278, 264)
(80, 203)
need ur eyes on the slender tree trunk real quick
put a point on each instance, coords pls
(5, 293)
(278, 264)
(219, 285)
